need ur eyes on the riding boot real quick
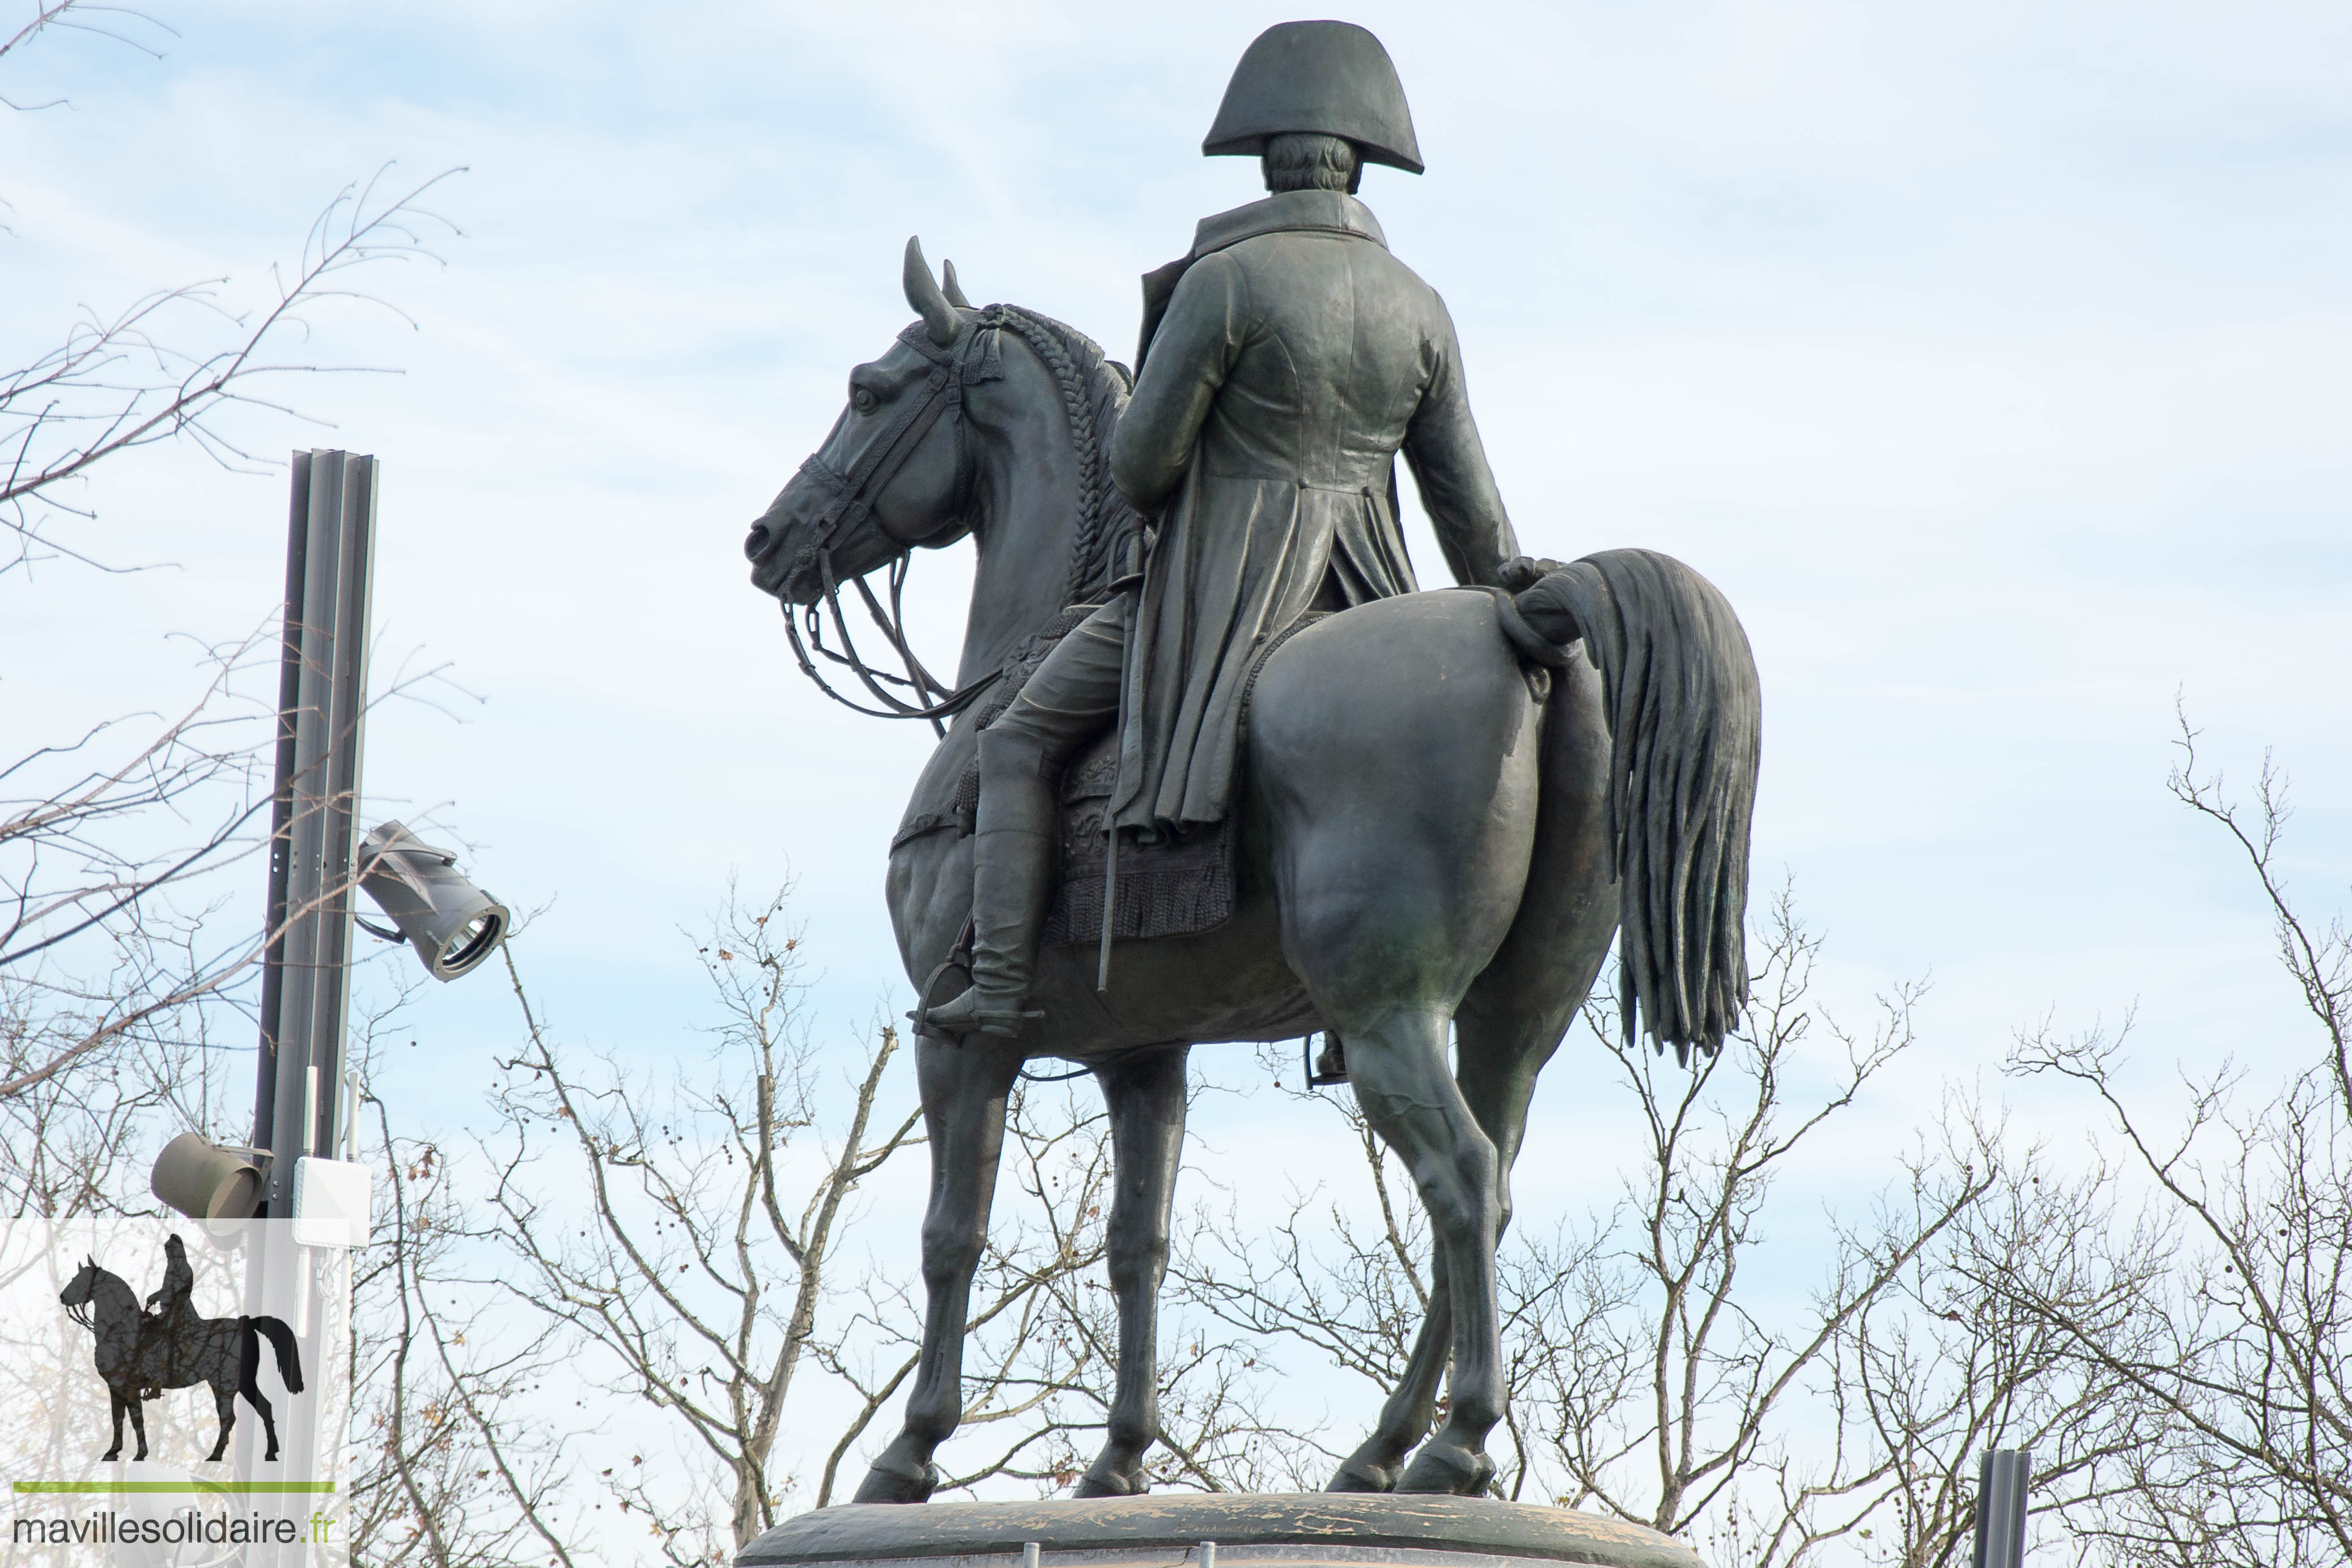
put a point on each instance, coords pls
(1015, 854)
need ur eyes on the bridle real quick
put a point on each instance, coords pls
(81, 1312)
(847, 517)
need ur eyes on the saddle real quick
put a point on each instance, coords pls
(1178, 884)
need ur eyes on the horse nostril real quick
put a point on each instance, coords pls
(756, 545)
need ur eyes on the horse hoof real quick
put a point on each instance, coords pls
(1360, 1474)
(1103, 1480)
(886, 1484)
(1439, 1467)
(114, 1453)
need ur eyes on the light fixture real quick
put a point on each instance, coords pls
(207, 1183)
(452, 925)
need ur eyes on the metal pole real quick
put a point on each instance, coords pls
(322, 700)
(306, 978)
(2001, 1483)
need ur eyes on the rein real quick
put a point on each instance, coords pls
(849, 509)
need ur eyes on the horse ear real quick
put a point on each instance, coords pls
(948, 287)
(925, 297)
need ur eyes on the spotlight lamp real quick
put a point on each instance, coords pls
(218, 1187)
(452, 925)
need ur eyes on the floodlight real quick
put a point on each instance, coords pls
(452, 924)
(215, 1186)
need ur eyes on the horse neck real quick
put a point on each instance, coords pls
(111, 1289)
(1026, 492)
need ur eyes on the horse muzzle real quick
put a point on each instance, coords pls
(779, 565)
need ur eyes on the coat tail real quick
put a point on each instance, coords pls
(1685, 713)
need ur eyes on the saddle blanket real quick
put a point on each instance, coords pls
(1179, 885)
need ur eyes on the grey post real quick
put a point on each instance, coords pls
(321, 709)
(306, 978)
(2002, 1484)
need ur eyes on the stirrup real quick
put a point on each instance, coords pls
(971, 1009)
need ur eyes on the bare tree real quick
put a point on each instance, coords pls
(1044, 1333)
(690, 1249)
(450, 1471)
(114, 22)
(178, 363)
(1945, 1364)
(109, 838)
(1653, 1373)
(682, 1235)
(109, 878)
(2241, 1336)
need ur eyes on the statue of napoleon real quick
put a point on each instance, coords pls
(1284, 365)
(1217, 770)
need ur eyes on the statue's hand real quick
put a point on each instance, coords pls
(1522, 572)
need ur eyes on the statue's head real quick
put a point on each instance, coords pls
(1315, 101)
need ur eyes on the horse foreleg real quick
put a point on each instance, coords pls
(1145, 1093)
(225, 1401)
(120, 1405)
(963, 1090)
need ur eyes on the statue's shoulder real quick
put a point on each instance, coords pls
(1280, 273)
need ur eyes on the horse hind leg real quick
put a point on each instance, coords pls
(260, 1403)
(1503, 1034)
(1514, 1016)
(1378, 1463)
(1145, 1095)
(963, 1090)
(1402, 1084)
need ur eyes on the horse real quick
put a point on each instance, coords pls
(1584, 750)
(138, 1350)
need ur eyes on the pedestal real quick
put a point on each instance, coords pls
(1305, 1529)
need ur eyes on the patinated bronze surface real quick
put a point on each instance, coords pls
(1440, 802)
(1285, 1530)
(1297, 360)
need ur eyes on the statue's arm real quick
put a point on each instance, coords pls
(1191, 354)
(1449, 464)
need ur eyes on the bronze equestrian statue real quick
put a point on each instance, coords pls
(1217, 771)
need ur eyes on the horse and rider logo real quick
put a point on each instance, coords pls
(141, 1351)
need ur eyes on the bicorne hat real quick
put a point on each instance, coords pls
(1331, 77)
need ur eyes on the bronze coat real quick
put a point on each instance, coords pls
(1296, 358)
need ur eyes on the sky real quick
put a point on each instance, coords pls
(1995, 362)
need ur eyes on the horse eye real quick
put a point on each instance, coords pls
(863, 400)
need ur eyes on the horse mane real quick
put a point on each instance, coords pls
(102, 1278)
(1094, 394)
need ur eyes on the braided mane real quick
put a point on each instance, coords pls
(1094, 393)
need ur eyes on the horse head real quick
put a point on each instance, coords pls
(77, 1295)
(894, 473)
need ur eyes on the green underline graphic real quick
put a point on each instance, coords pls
(247, 1488)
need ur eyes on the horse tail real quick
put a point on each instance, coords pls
(1685, 711)
(282, 1339)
